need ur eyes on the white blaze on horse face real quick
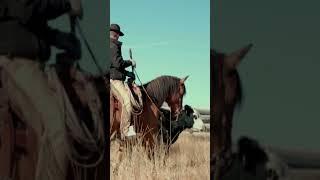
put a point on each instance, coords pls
(176, 109)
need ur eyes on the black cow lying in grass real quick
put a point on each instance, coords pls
(171, 130)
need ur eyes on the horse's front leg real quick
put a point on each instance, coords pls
(227, 126)
(120, 155)
(148, 142)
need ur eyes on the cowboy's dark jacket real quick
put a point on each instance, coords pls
(118, 65)
(24, 29)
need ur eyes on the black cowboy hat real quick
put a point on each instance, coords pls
(116, 28)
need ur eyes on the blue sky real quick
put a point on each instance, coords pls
(168, 38)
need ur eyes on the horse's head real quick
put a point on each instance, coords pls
(230, 76)
(227, 93)
(175, 99)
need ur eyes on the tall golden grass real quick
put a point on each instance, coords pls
(188, 159)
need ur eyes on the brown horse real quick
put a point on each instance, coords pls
(162, 89)
(227, 94)
(19, 142)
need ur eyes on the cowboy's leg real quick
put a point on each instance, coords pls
(34, 102)
(126, 105)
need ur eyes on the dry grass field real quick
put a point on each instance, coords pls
(188, 160)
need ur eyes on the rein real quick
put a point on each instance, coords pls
(77, 24)
(146, 92)
(74, 22)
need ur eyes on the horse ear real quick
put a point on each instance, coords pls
(234, 59)
(183, 79)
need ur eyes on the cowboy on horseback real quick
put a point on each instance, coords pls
(25, 45)
(118, 74)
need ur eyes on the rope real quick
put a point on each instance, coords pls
(137, 105)
(147, 92)
(106, 81)
(149, 95)
(85, 138)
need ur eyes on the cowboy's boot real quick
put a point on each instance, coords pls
(131, 132)
(128, 130)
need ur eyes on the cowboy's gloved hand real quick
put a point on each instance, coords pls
(70, 43)
(76, 8)
(133, 63)
(131, 75)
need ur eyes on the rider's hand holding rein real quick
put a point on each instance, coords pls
(76, 9)
(133, 63)
(130, 75)
(65, 41)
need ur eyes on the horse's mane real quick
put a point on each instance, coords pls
(239, 92)
(239, 89)
(159, 88)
